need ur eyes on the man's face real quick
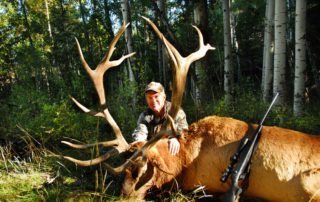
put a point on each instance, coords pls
(155, 101)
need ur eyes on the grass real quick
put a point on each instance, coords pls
(30, 178)
(21, 186)
(20, 181)
(45, 178)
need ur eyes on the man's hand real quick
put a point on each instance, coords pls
(174, 146)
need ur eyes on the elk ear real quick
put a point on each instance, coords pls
(158, 162)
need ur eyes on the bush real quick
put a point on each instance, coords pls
(44, 120)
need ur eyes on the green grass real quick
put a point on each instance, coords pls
(45, 178)
(42, 181)
(21, 182)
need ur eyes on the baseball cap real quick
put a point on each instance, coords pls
(154, 86)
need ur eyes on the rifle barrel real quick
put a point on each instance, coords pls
(270, 106)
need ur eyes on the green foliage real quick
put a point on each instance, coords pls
(249, 107)
(59, 120)
(44, 120)
(124, 109)
(308, 123)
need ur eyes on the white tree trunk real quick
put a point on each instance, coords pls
(268, 50)
(234, 40)
(279, 81)
(200, 20)
(300, 57)
(125, 7)
(128, 35)
(228, 70)
(48, 20)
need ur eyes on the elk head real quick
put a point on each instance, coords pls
(143, 169)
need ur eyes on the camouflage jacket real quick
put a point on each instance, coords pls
(149, 124)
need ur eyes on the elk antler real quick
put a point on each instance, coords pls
(180, 66)
(119, 144)
(141, 152)
(179, 72)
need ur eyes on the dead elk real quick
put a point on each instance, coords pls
(285, 167)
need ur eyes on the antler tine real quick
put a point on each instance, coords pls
(173, 53)
(140, 152)
(173, 126)
(85, 146)
(83, 61)
(95, 161)
(105, 63)
(114, 41)
(202, 48)
(85, 109)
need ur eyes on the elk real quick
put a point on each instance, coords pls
(285, 166)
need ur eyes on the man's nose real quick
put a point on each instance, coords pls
(153, 99)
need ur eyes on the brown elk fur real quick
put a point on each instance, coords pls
(285, 167)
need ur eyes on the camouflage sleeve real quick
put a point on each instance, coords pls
(141, 131)
(181, 120)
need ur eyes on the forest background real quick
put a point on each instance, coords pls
(260, 49)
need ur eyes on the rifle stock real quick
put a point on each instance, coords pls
(239, 167)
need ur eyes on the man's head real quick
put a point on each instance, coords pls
(155, 96)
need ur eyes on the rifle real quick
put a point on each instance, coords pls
(239, 167)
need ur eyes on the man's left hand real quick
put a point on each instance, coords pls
(174, 146)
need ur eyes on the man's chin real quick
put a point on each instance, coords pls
(155, 110)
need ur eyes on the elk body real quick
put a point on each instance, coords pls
(285, 166)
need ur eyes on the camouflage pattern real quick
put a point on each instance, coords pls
(149, 124)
